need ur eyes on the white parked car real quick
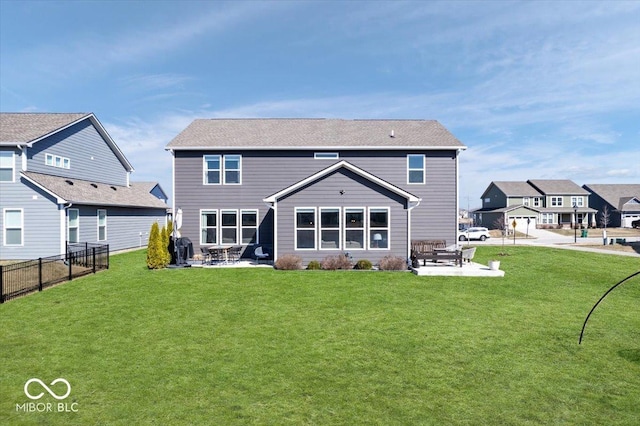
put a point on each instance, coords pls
(474, 233)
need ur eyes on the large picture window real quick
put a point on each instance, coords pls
(415, 168)
(249, 226)
(6, 166)
(102, 225)
(208, 227)
(330, 228)
(379, 228)
(305, 228)
(354, 228)
(13, 227)
(73, 225)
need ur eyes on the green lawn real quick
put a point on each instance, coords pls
(258, 346)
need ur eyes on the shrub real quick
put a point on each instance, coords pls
(336, 262)
(364, 264)
(155, 254)
(289, 262)
(393, 263)
(314, 264)
(166, 256)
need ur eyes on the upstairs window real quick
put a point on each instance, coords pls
(526, 201)
(57, 161)
(222, 169)
(577, 201)
(415, 168)
(556, 201)
(212, 169)
(232, 169)
(7, 164)
(325, 155)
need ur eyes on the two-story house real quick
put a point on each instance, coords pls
(535, 203)
(316, 187)
(63, 179)
(621, 200)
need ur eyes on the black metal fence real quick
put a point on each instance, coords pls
(21, 278)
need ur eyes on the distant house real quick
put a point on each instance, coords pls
(622, 202)
(63, 179)
(317, 187)
(535, 203)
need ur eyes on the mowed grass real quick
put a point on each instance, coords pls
(258, 346)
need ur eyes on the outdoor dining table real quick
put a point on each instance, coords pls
(223, 250)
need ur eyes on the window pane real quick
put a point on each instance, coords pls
(354, 239)
(330, 239)
(6, 159)
(73, 235)
(13, 219)
(209, 236)
(102, 233)
(248, 235)
(6, 175)
(330, 218)
(305, 219)
(305, 239)
(231, 176)
(229, 218)
(213, 177)
(354, 219)
(232, 162)
(249, 219)
(416, 161)
(416, 176)
(73, 218)
(14, 237)
(209, 219)
(378, 218)
(49, 160)
(213, 162)
(378, 239)
(229, 236)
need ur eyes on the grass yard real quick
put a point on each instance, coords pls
(258, 346)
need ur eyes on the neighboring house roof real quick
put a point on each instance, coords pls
(514, 189)
(25, 129)
(558, 187)
(507, 209)
(412, 199)
(617, 195)
(77, 191)
(314, 134)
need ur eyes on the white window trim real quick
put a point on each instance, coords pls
(13, 166)
(339, 229)
(237, 225)
(577, 201)
(536, 201)
(4, 226)
(388, 228)
(557, 198)
(224, 169)
(326, 156)
(98, 225)
(257, 227)
(526, 201)
(216, 228)
(423, 169)
(205, 169)
(363, 229)
(65, 163)
(69, 225)
(295, 227)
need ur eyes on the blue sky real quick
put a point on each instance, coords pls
(536, 90)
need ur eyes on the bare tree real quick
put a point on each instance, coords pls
(605, 217)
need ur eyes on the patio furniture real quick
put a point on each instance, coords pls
(206, 255)
(434, 250)
(235, 252)
(219, 253)
(260, 254)
(467, 254)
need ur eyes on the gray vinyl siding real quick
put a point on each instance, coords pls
(126, 227)
(41, 221)
(496, 198)
(91, 157)
(267, 172)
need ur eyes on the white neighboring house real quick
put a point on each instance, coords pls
(63, 179)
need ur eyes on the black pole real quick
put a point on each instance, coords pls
(93, 252)
(39, 274)
(1, 285)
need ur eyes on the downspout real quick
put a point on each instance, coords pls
(63, 226)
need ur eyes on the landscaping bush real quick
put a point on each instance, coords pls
(336, 262)
(392, 263)
(314, 264)
(364, 264)
(156, 258)
(289, 262)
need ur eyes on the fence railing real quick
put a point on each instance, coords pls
(21, 278)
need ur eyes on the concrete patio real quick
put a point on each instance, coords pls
(450, 270)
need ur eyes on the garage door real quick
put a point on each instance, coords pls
(626, 221)
(521, 223)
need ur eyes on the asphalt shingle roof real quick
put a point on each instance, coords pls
(515, 189)
(558, 187)
(616, 194)
(80, 191)
(27, 127)
(313, 134)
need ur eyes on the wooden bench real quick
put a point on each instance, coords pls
(433, 250)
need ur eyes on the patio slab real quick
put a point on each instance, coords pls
(449, 270)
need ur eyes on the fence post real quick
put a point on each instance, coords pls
(86, 254)
(93, 252)
(39, 274)
(70, 260)
(1, 284)
(107, 256)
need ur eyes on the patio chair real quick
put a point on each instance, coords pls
(235, 253)
(206, 256)
(467, 254)
(260, 254)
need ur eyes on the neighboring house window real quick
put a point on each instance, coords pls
(57, 161)
(536, 202)
(7, 164)
(225, 169)
(249, 226)
(325, 155)
(212, 169)
(379, 228)
(229, 226)
(556, 201)
(329, 228)
(415, 168)
(305, 228)
(232, 169)
(487, 200)
(577, 201)
(208, 227)
(102, 225)
(526, 201)
(73, 225)
(13, 227)
(546, 218)
(354, 228)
